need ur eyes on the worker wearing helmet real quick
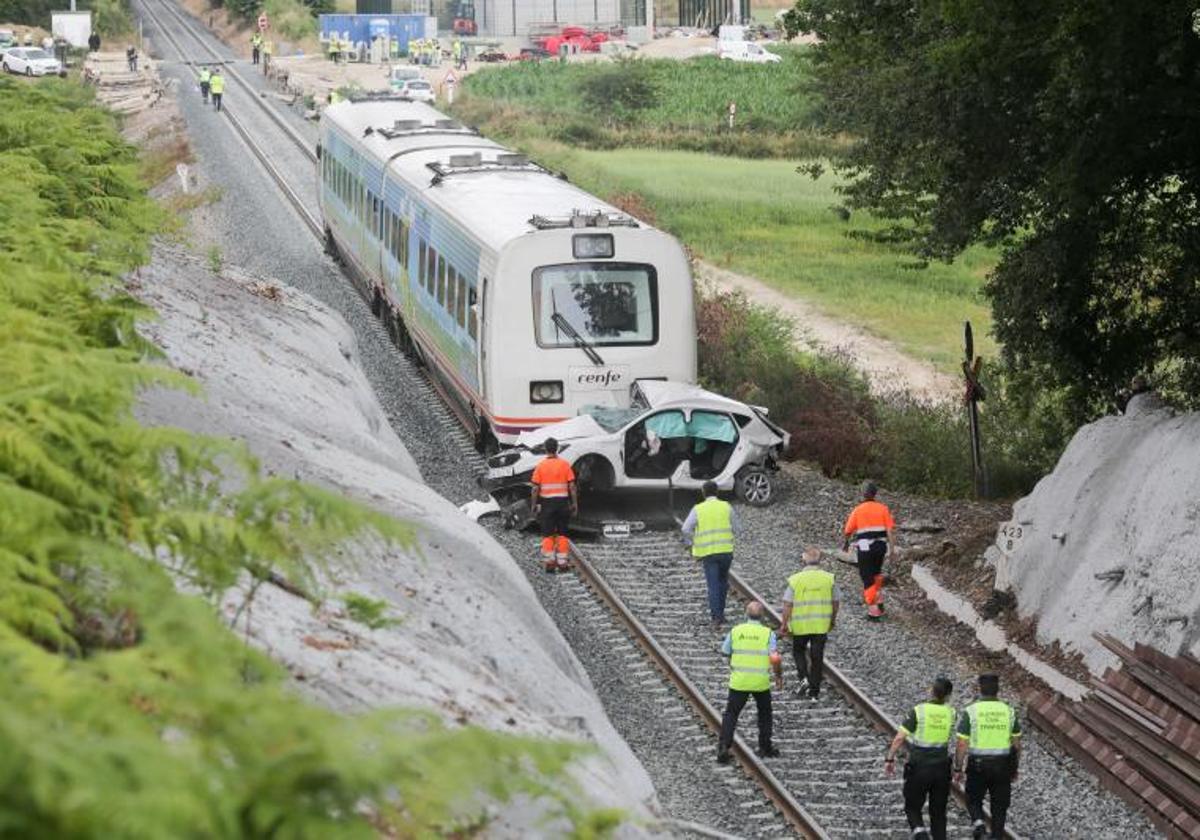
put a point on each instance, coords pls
(554, 501)
(871, 528)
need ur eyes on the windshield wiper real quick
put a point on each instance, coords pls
(580, 342)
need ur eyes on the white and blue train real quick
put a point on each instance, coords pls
(526, 297)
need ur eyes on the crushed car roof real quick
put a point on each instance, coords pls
(660, 394)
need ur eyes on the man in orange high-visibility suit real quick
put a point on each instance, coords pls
(554, 502)
(871, 528)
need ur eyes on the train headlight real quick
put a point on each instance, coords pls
(546, 392)
(591, 246)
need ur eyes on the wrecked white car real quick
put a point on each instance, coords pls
(672, 435)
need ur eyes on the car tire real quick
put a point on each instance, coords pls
(754, 486)
(594, 474)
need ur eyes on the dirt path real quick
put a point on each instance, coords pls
(884, 364)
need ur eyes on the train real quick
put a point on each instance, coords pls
(526, 297)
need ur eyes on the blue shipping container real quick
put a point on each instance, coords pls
(362, 28)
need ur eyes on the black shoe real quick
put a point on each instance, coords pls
(723, 757)
(814, 695)
(979, 833)
(802, 687)
(769, 752)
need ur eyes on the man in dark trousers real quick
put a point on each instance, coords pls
(94, 42)
(753, 653)
(554, 500)
(928, 731)
(810, 608)
(709, 528)
(989, 742)
(871, 529)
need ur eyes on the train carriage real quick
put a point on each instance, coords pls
(527, 297)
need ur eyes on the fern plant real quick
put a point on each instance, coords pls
(129, 709)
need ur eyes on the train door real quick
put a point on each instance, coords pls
(480, 311)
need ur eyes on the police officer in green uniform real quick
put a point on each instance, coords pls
(928, 731)
(989, 740)
(750, 646)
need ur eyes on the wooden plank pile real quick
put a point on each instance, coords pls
(119, 89)
(1138, 731)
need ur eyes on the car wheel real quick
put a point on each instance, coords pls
(754, 486)
(594, 473)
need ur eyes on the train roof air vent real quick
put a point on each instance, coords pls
(462, 164)
(581, 219)
(410, 128)
(406, 125)
(447, 124)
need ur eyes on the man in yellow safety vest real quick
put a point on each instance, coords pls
(216, 86)
(928, 731)
(810, 608)
(709, 529)
(752, 651)
(256, 41)
(989, 739)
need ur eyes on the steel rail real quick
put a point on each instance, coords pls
(857, 698)
(790, 808)
(311, 221)
(189, 25)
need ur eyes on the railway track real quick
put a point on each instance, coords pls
(429, 388)
(827, 782)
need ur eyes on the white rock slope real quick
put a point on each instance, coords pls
(473, 643)
(1123, 504)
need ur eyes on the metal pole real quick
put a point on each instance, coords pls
(972, 396)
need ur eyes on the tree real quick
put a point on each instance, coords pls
(1065, 133)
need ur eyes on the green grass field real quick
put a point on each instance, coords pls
(762, 218)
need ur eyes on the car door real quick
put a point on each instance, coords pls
(651, 448)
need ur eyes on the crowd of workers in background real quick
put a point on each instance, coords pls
(981, 743)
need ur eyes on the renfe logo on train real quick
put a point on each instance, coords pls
(599, 378)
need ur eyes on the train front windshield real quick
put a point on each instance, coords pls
(606, 304)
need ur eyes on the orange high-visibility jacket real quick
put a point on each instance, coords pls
(869, 521)
(553, 477)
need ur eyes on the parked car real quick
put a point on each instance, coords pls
(672, 435)
(533, 54)
(492, 55)
(417, 90)
(400, 74)
(8, 38)
(746, 51)
(30, 61)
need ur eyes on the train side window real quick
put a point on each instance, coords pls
(441, 280)
(472, 317)
(460, 312)
(421, 263)
(404, 242)
(431, 270)
(451, 290)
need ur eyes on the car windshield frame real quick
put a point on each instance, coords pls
(544, 329)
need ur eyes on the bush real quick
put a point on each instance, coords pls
(621, 90)
(130, 710)
(748, 352)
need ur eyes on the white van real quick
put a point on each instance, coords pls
(401, 74)
(746, 51)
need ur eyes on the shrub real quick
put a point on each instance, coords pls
(748, 352)
(621, 90)
(130, 710)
